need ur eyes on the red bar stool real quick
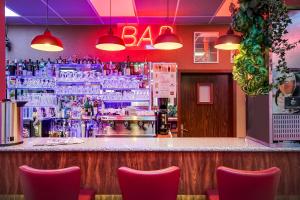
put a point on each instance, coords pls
(236, 184)
(58, 184)
(149, 185)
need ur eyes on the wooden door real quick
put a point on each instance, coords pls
(206, 120)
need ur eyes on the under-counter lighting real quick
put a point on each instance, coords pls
(10, 13)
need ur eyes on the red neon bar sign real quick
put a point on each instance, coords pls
(134, 36)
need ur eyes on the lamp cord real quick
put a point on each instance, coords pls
(167, 11)
(47, 11)
(110, 29)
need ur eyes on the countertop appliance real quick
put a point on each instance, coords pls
(136, 126)
(11, 122)
(162, 116)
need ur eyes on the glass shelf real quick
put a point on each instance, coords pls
(39, 106)
(30, 76)
(29, 88)
(133, 100)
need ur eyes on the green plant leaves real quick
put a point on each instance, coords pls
(263, 24)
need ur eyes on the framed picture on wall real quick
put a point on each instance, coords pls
(204, 50)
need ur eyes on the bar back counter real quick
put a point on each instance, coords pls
(99, 159)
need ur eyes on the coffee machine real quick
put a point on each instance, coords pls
(162, 116)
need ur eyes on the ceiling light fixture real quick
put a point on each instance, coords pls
(167, 40)
(110, 42)
(46, 41)
(10, 13)
(230, 41)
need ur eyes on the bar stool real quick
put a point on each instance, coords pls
(58, 184)
(236, 184)
(149, 185)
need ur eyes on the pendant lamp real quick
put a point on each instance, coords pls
(110, 42)
(230, 41)
(167, 40)
(46, 41)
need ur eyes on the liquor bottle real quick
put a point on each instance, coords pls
(87, 107)
(131, 66)
(127, 69)
(38, 71)
(24, 68)
(30, 63)
(123, 68)
(95, 107)
(59, 60)
(136, 69)
(105, 69)
(141, 68)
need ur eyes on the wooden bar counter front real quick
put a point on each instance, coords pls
(197, 158)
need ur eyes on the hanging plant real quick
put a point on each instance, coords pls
(263, 24)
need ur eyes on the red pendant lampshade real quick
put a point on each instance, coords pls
(167, 41)
(47, 42)
(110, 42)
(230, 41)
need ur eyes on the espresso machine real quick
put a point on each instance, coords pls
(11, 122)
(162, 117)
(128, 126)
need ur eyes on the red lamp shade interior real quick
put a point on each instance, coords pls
(47, 42)
(167, 41)
(110, 42)
(230, 41)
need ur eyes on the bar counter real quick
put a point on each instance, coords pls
(149, 144)
(99, 159)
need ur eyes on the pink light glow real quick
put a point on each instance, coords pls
(224, 9)
(119, 8)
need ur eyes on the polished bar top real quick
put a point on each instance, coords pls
(150, 144)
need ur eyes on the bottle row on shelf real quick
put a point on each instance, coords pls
(78, 88)
(92, 69)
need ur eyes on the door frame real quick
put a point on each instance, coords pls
(205, 71)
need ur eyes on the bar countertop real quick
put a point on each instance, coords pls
(149, 144)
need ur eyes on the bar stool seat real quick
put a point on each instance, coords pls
(236, 184)
(149, 185)
(57, 184)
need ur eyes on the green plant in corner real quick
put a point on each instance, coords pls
(263, 24)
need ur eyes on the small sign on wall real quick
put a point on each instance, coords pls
(204, 93)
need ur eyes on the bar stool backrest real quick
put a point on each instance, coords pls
(149, 185)
(58, 184)
(236, 184)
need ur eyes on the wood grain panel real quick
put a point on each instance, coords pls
(112, 197)
(207, 120)
(99, 169)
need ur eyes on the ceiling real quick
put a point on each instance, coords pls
(82, 12)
